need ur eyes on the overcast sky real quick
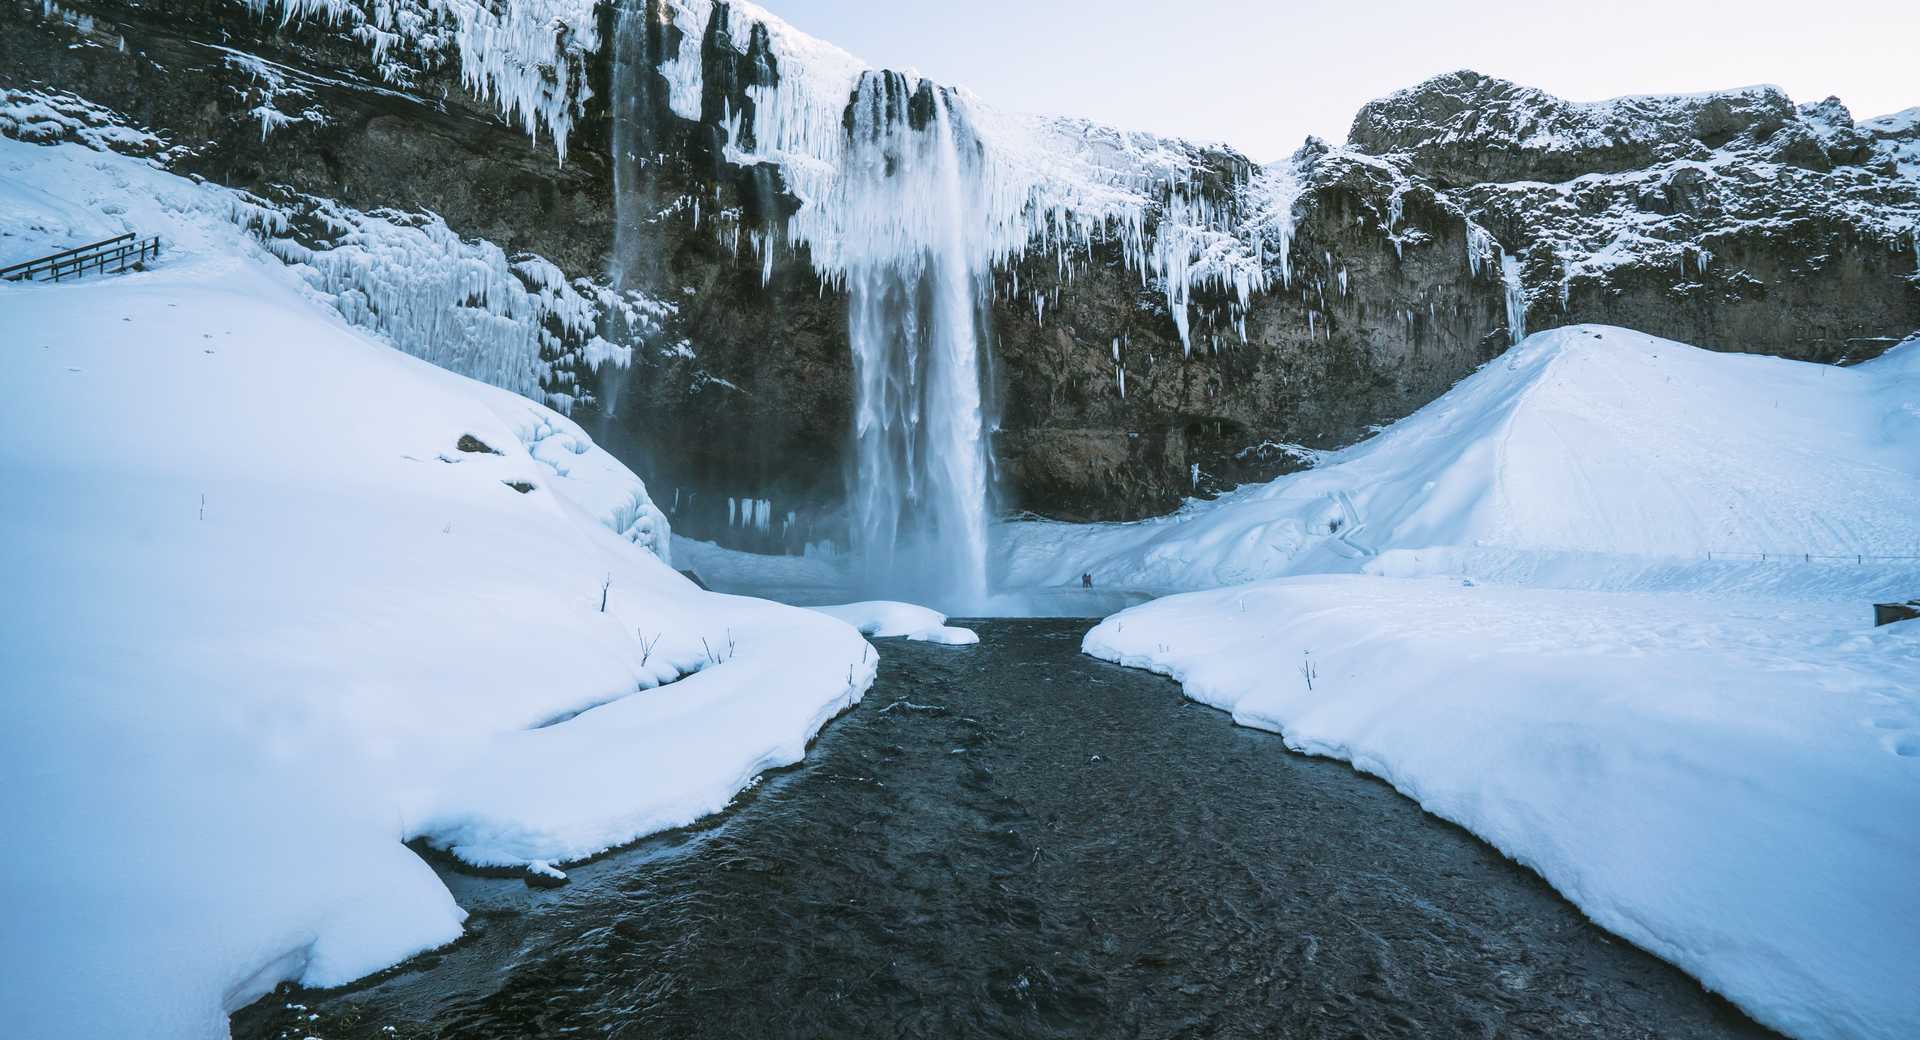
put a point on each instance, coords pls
(1262, 74)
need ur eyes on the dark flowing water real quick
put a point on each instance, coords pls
(1014, 840)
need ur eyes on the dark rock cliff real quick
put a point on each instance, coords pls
(1735, 221)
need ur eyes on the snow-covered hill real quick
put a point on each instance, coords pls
(1584, 440)
(282, 598)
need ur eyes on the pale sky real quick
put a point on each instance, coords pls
(1263, 75)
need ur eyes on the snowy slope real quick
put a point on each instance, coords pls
(1582, 440)
(1729, 782)
(268, 620)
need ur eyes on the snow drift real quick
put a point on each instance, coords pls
(1583, 441)
(284, 598)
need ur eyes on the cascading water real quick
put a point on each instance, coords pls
(915, 266)
(630, 106)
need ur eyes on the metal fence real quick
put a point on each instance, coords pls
(116, 254)
(1795, 557)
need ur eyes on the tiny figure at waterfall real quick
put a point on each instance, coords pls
(1086, 580)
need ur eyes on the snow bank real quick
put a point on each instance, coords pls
(885, 619)
(1728, 782)
(284, 598)
(1582, 441)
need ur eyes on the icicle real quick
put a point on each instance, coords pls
(1516, 293)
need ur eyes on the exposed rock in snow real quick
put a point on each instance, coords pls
(1897, 137)
(1465, 128)
(1680, 215)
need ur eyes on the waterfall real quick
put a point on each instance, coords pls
(630, 106)
(1516, 292)
(899, 214)
(915, 268)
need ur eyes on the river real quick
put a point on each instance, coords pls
(1015, 840)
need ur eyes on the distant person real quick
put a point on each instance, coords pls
(1086, 581)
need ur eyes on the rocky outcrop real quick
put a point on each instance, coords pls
(1734, 220)
(1240, 320)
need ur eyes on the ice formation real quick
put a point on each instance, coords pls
(465, 306)
(1517, 296)
(525, 55)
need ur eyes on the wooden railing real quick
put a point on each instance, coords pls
(116, 254)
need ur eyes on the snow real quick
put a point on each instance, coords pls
(1727, 781)
(884, 619)
(466, 305)
(1897, 137)
(46, 116)
(1605, 605)
(1582, 441)
(269, 622)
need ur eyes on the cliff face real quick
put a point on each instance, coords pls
(1735, 220)
(1200, 321)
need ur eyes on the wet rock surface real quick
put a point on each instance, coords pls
(1014, 840)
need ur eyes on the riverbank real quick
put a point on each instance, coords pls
(1014, 839)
